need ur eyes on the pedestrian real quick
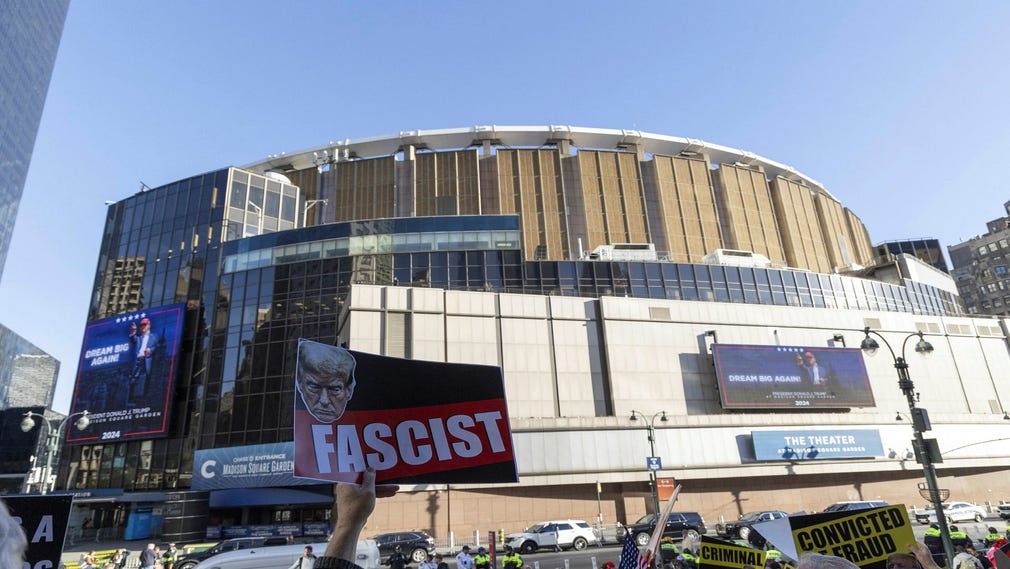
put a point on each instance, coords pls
(482, 560)
(902, 561)
(397, 560)
(983, 560)
(428, 563)
(148, 557)
(439, 563)
(122, 560)
(306, 561)
(463, 559)
(965, 560)
(89, 562)
(668, 551)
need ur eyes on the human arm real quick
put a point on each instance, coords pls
(921, 552)
(352, 505)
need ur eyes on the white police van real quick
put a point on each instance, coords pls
(283, 556)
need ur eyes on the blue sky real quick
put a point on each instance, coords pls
(898, 108)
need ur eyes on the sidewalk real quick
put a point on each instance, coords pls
(72, 553)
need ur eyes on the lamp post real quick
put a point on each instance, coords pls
(920, 423)
(651, 426)
(54, 433)
(259, 211)
(307, 206)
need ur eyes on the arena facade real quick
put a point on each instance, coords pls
(597, 267)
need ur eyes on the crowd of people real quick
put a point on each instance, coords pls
(354, 503)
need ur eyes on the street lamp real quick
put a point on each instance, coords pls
(651, 426)
(307, 206)
(53, 436)
(259, 211)
(920, 423)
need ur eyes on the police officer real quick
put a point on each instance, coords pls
(482, 560)
(668, 550)
(688, 559)
(397, 560)
(511, 559)
(992, 536)
(171, 554)
(958, 537)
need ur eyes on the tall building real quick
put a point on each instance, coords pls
(598, 268)
(27, 374)
(30, 34)
(980, 268)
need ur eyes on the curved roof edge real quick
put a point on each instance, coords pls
(527, 137)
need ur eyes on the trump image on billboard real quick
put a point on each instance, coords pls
(412, 421)
(126, 374)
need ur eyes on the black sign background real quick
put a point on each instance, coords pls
(44, 520)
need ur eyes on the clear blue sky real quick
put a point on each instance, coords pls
(898, 108)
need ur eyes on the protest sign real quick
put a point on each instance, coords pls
(864, 537)
(414, 422)
(44, 520)
(719, 554)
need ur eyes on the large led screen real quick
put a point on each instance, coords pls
(795, 377)
(126, 375)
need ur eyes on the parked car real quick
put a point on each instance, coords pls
(1004, 511)
(852, 506)
(566, 534)
(680, 525)
(282, 556)
(416, 545)
(190, 560)
(954, 512)
(741, 527)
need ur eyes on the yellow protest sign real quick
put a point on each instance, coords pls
(718, 553)
(864, 537)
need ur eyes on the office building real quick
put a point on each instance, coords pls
(980, 268)
(599, 268)
(29, 37)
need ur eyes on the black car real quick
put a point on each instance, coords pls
(189, 561)
(416, 545)
(680, 525)
(742, 527)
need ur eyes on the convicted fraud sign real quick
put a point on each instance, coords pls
(414, 422)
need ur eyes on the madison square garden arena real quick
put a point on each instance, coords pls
(661, 309)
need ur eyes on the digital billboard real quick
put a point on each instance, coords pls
(126, 375)
(794, 377)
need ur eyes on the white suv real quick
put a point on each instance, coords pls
(574, 534)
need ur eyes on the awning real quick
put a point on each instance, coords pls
(265, 497)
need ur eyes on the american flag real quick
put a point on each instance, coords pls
(630, 557)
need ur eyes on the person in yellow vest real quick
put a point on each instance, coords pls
(668, 551)
(958, 537)
(511, 559)
(687, 559)
(992, 536)
(482, 560)
(171, 554)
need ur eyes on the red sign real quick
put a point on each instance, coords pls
(412, 421)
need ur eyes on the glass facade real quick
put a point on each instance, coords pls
(29, 38)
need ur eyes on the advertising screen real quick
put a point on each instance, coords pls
(126, 375)
(794, 377)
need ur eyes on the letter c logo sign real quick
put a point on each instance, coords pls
(205, 469)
